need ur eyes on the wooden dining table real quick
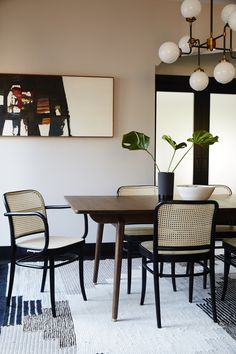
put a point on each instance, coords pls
(123, 210)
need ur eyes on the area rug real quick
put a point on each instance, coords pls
(85, 327)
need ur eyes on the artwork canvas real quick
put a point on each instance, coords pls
(53, 105)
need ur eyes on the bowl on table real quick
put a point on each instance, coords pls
(195, 191)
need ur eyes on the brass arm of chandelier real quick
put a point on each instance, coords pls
(211, 42)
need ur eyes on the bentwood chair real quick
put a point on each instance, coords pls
(229, 245)
(33, 246)
(183, 232)
(134, 234)
(226, 230)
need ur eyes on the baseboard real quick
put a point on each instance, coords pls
(107, 251)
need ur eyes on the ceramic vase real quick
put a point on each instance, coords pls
(165, 185)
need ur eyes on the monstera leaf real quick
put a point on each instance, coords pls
(174, 145)
(202, 137)
(139, 141)
(135, 141)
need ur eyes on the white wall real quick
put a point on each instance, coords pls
(117, 38)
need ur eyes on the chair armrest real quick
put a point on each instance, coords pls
(11, 214)
(85, 225)
(57, 206)
(28, 213)
(48, 207)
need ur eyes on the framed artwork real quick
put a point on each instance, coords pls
(58, 106)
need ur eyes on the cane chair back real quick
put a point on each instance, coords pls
(26, 212)
(222, 189)
(183, 232)
(183, 227)
(137, 190)
(26, 202)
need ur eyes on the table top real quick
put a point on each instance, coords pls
(131, 204)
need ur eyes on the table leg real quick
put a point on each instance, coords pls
(117, 268)
(97, 252)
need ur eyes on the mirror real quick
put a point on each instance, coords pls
(222, 120)
(212, 110)
(178, 107)
(53, 105)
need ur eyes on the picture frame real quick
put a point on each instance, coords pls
(56, 106)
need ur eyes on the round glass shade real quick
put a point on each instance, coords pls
(226, 12)
(191, 8)
(169, 52)
(198, 80)
(184, 45)
(232, 20)
(224, 72)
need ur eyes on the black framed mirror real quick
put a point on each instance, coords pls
(202, 112)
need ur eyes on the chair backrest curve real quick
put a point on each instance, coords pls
(137, 190)
(185, 224)
(25, 201)
(222, 189)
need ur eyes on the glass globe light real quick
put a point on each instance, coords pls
(184, 45)
(190, 8)
(224, 72)
(169, 52)
(198, 80)
(226, 12)
(232, 20)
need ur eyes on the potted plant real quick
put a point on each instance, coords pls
(139, 141)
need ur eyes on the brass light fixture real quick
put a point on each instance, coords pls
(224, 71)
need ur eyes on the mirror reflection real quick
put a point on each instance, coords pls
(175, 118)
(212, 110)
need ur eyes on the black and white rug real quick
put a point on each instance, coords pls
(86, 327)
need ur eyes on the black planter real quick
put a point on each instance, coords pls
(165, 185)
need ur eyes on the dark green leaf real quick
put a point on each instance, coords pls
(135, 141)
(202, 137)
(173, 143)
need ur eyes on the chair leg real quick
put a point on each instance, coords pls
(191, 272)
(157, 293)
(212, 282)
(52, 286)
(227, 257)
(81, 276)
(144, 281)
(45, 266)
(161, 268)
(187, 268)
(11, 280)
(205, 274)
(173, 276)
(129, 266)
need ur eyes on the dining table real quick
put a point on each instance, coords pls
(123, 210)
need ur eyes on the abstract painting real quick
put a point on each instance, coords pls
(53, 105)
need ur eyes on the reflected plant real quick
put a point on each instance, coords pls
(139, 141)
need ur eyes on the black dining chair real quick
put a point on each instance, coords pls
(229, 245)
(227, 229)
(33, 246)
(134, 234)
(183, 232)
